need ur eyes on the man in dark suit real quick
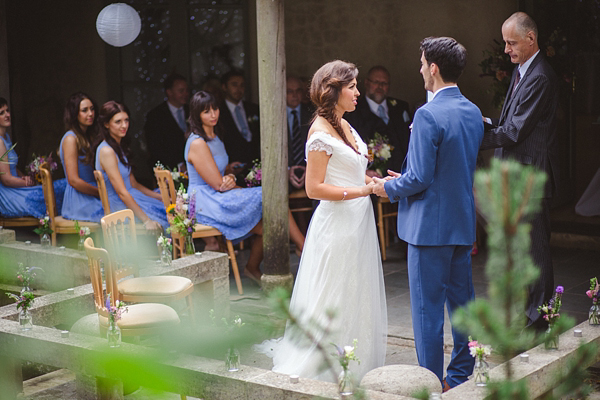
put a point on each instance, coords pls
(436, 208)
(238, 121)
(526, 132)
(299, 116)
(166, 124)
(376, 112)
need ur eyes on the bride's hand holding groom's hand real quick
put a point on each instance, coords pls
(379, 188)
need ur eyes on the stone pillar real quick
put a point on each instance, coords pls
(271, 79)
(11, 378)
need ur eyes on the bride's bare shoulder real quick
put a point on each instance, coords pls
(321, 125)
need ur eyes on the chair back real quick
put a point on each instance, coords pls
(166, 186)
(119, 232)
(102, 191)
(49, 197)
(97, 260)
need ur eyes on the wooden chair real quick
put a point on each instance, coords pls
(140, 319)
(382, 224)
(167, 192)
(57, 223)
(102, 191)
(299, 201)
(121, 241)
(18, 222)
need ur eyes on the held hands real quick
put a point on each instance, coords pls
(228, 183)
(379, 188)
(28, 180)
(152, 225)
(368, 188)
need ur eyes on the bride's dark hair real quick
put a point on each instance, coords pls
(325, 88)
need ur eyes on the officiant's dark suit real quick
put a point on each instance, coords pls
(526, 132)
(367, 123)
(165, 135)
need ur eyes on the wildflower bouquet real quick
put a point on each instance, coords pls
(551, 311)
(254, 177)
(232, 357)
(33, 168)
(182, 217)
(380, 151)
(44, 228)
(26, 276)
(594, 314)
(164, 243)
(115, 312)
(497, 65)
(478, 350)
(24, 300)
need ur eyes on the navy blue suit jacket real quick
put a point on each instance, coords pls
(435, 192)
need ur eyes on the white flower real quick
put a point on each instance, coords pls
(385, 152)
(186, 221)
(185, 207)
(237, 321)
(393, 103)
(175, 175)
(487, 350)
(473, 351)
(250, 175)
(117, 303)
(185, 197)
(348, 350)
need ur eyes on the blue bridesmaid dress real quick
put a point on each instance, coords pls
(234, 212)
(76, 205)
(153, 208)
(26, 201)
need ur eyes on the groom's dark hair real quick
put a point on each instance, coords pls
(449, 55)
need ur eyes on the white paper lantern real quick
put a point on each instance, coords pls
(118, 24)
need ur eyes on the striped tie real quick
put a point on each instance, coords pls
(297, 145)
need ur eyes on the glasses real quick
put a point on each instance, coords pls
(379, 83)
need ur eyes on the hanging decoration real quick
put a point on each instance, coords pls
(118, 24)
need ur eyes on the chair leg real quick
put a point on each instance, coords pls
(234, 267)
(53, 237)
(381, 233)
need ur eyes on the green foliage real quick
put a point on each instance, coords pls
(508, 194)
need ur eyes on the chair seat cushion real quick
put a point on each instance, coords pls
(146, 315)
(154, 286)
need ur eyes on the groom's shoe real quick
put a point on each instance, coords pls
(445, 386)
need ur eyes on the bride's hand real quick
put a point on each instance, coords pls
(368, 188)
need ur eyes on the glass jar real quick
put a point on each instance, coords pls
(481, 372)
(113, 334)
(551, 342)
(80, 243)
(45, 240)
(232, 359)
(25, 320)
(165, 256)
(594, 314)
(346, 382)
(189, 245)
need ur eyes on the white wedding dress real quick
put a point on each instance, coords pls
(340, 270)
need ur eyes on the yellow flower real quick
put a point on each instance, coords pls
(170, 208)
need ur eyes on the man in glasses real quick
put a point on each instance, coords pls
(376, 112)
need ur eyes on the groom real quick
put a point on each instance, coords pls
(436, 209)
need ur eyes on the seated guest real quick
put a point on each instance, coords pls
(18, 195)
(166, 125)
(376, 112)
(236, 212)
(299, 116)
(239, 120)
(81, 200)
(112, 158)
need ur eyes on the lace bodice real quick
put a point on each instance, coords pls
(345, 167)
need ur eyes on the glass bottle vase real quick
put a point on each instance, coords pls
(80, 243)
(594, 314)
(189, 245)
(165, 256)
(346, 382)
(25, 320)
(232, 359)
(481, 372)
(551, 342)
(113, 334)
(45, 240)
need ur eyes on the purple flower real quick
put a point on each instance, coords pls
(192, 206)
(108, 302)
(560, 289)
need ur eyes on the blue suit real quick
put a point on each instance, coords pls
(436, 217)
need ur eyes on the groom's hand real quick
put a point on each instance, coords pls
(378, 188)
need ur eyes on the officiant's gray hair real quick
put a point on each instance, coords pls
(523, 22)
(449, 55)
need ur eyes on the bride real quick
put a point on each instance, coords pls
(340, 269)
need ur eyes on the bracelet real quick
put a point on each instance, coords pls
(345, 194)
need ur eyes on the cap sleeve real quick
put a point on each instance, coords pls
(320, 141)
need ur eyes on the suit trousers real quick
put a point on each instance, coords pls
(438, 276)
(542, 290)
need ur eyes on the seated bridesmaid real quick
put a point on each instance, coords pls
(236, 212)
(18, 195)
(112, 158)
(81, 201)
